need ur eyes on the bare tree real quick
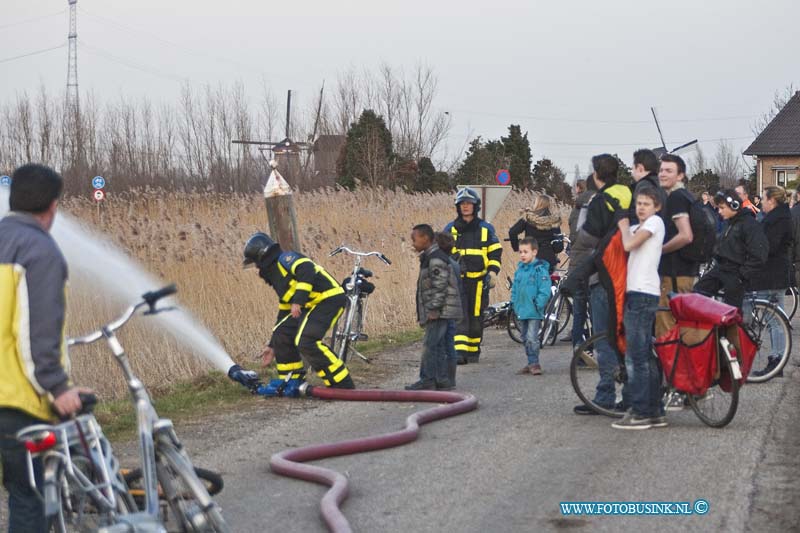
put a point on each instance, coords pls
(698, 163)
(727, 164)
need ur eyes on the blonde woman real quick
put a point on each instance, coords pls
(543, 223)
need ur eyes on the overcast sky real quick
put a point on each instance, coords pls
(578, 76)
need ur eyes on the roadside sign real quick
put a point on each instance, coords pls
(503, 177)
(98, 182)
(5, 181)
(492, 197)
(99, 195)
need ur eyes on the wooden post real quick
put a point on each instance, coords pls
(279, 202)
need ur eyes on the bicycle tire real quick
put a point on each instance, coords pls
(340, 336)
(565, 315)
(762, 317)
(212, 480)
(717, 407)
(794, 293)
(191, 505)
(548, 333)
(586, 378)
(513, 326)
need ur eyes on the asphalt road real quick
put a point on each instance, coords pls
(508, 465)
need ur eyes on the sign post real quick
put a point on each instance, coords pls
(99, 183)
(280, 210)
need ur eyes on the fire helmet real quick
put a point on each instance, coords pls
(259, 247)
(470, 196)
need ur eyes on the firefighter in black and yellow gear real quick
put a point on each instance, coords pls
(480, 251)
(309, 303)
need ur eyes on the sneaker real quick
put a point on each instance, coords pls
(525, 370)
(445, 385)
(677, 402)
(771, 364)
(422, 385)
(632, 421)
(658, 422)
(536, 370)
(582, 409)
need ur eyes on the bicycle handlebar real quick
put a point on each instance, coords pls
(148, 299)
(341, 249)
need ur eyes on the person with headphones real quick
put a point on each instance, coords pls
(741, 252)
(480, 251)
(309, 303)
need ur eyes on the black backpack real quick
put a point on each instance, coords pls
(704, 230)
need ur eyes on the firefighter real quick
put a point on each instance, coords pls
(309, 303)
(480, 252)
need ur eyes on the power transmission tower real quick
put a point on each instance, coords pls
(73, 100)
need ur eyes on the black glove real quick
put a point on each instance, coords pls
(247, 378)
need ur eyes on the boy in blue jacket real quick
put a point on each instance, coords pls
(529, 295)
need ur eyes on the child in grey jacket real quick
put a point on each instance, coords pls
(438, 300)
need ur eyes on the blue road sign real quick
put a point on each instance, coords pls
(98, 182)
(503, 177)
(5, 181)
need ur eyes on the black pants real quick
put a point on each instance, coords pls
(469, 332)
(25, 509)
(722, 278)
(287, 358)
(314, 326)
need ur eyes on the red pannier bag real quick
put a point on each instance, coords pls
(746, 349)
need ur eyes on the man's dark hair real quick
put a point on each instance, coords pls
(424, 229)
(729, 198)
(590, 184)
(647, 158)
(33, 188)
(606, 166)
(529, 241)
(652, 193)
(672, 158)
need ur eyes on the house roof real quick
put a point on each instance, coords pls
(782, 135)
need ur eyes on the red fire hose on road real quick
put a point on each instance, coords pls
(288, 463)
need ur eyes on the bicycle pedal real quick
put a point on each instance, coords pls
(362, 337)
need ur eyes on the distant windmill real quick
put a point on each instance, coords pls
(287, 152)
(661, 150)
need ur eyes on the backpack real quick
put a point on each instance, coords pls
(704, 230)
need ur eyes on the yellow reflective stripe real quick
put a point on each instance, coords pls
(324, 295)
(478, 295)
(284, 307)
(453, 230)
(284, 319)
(299, 262)
(463, 338)
(475, 340)
(466, 348)
(492, 262)
(473, 251)
(300, 329)
(484, 234)
(473, 275)
(303, 286)
(495, 246)
(289, 366)
(282, 270)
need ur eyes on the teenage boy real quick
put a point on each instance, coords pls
(438, 301)
(643, 241)
(741, 252)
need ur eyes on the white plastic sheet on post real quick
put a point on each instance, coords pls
(276, 184)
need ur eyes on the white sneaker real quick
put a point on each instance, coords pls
(676, 402)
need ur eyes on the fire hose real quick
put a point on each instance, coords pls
(289, 463)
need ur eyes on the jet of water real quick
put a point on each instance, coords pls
(95, 257)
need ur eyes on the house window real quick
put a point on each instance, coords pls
(780, 178)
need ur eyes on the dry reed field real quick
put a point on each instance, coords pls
(196, 240)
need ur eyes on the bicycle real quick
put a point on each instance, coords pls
(794, 294)
(715, 407)
(167, 473)
(501, 315)
(557, 313)
(348, 329)
(760, 316)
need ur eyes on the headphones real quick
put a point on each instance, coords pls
(732, 203)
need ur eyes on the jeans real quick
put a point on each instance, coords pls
(433, 367)
(607, 360)
(579, 309)
(452, 355)
(644, 378)
(529, 328)
(25, 510)
(776, 338)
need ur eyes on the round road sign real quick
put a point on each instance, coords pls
(98, 182)
(99, 195)
(503, 177)
(5, 181)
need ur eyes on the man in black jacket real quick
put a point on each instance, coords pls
(741, 253)
(645, 176)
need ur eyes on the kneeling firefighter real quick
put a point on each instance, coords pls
(309, 303)
(480, 251)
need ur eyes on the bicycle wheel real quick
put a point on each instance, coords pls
(550, 323)
(564, 314)
(192, 508)
(340, 337)
(133, 478)
(791, 302)
(717, 407)
(513, 326)
(771, 331)
(584, 372)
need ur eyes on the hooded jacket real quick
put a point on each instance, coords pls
(437, 286)
(33, 356)
(581, 201)
(777, 227)
(530, 291)
(542, 226)
(743, 247)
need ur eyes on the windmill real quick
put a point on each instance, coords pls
(661, 150)
(287, 152)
